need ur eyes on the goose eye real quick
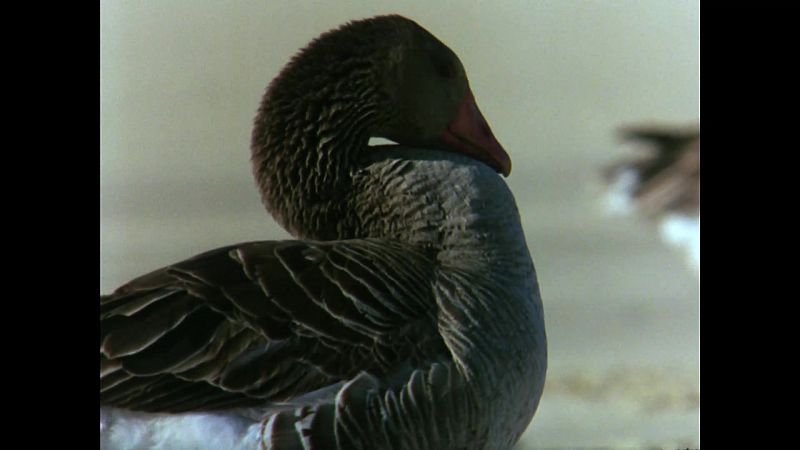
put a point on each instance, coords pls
(444, 67)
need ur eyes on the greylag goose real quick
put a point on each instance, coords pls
(405, 315)
(662, 183)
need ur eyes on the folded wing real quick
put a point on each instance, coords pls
(265, 322)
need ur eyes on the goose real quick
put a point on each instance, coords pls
(661, 184)
(405, 314)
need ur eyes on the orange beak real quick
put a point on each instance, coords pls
(469, 133)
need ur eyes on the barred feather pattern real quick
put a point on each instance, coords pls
(443, 348)
(409, 317)
(315, 120)
(482, 392)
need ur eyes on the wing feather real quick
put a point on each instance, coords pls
(264, 321)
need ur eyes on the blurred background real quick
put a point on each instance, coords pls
(180, 82)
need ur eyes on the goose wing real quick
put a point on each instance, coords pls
(265, 322)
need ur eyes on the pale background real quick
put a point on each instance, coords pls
(180, 82)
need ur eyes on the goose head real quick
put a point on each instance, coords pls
(433, 105)
(381, 77)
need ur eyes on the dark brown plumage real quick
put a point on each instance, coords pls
(201, 321)
(668, 174)
(410, 317)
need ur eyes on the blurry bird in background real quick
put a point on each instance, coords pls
(662, 183)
